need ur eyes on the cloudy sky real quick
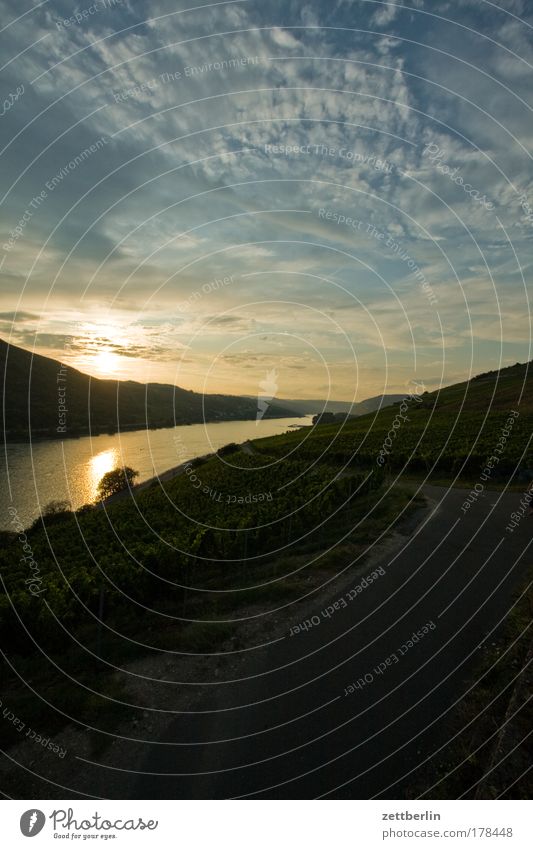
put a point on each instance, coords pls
(204, 194)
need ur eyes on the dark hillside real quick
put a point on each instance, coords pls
(34, 388)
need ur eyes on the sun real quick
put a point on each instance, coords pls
(106, 363)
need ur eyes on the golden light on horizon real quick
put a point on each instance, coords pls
(105, 363)
(100, 348)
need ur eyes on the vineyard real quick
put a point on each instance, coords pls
(453, 431)
(427, 442)
(210, 528)
(218, 523)
(170, 567)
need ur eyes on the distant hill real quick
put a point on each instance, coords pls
(313, 408)
(33, 387)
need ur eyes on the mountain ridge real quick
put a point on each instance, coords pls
(354, 408)
(45, 398)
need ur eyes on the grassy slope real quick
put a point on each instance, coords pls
(145, 580)
(130, 559)
(450, 431)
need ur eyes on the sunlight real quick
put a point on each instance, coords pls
(100, 464)
(106, 363)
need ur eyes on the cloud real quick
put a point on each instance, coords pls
(12, 316)
(386, 14)
(283, 38)
(185, 189)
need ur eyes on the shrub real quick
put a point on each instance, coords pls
(55, 508)
(116, 481)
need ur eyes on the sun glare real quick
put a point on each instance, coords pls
(100, 464)
(106, 363)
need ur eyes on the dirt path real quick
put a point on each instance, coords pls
(349, 706)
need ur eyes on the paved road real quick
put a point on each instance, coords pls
(288, 730)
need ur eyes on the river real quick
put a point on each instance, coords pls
(71, 469)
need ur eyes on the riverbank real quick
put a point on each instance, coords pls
(71, 469)
(163, 477)
(38, 435)
(170, 474)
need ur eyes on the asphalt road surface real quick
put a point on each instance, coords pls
(293, 728)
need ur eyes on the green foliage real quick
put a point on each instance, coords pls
(116, 481)
(230, 448)
(440, 440)
(219, 519)
(200, 529)
(324, 418)
(56, 508)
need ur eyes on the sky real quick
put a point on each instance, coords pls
(334, 198)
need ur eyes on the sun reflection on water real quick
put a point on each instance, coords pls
(99, 465)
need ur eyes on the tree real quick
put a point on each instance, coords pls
(116, 481)
(53, 512)
(324, 418)
(55, 508)
(230, 448)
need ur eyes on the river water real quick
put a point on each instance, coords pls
(35, 474)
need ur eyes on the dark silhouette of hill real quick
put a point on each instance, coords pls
(35, 388)
(491, 390)
(503, 389)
